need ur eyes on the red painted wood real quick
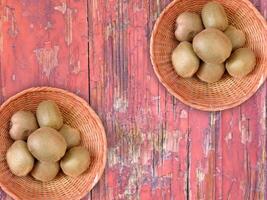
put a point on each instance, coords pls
(244, 141)
(34, 50)
(158, 148)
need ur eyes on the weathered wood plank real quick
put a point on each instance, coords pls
(202, 155)
(229, 153)
(147, 129)
(244, 149)
(158, 147)
(43, 43)
(244, 145)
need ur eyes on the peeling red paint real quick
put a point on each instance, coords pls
(9, 17)
(68, 17)
(47, 57)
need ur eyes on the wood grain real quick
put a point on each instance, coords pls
(158, 147)
(35, 50)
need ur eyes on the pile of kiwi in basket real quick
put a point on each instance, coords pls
(215, 46)
(43, 151)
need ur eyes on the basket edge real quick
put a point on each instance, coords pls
(84, 103)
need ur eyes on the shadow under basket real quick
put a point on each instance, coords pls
(228, 92)
(78, 114)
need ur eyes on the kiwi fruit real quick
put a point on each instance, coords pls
(22, 124)
(49, 115)
(45, 171)
(71, 135)
(184, 60)
(47, 144)
(212, 46)
(236, 36)
(210, 73)
(19, 159)
(241, 62)
(75, 162)
(188, 24)
(214, 16)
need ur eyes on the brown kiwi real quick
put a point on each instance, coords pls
(75, 162)
(212, 46)
(210, 73)
(241, 62)
(22, 123)
(19, 159)
(47, 145)
(45, 171)
(188, 24)
(237, 37)
(71, 135)
(184, 60)
(214, 16)
(49, 115)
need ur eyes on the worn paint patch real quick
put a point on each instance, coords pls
(171, 144)
(263, 118)
(47, 27)
(228, 137)
(131, 188)
(74, 60)
(120, 105)
(184, 114)
(109, 30)
(246, 136)
(261, 178)
(9, 16)
(200, 175)
(47, 58)
(68, 17)
(207, 144)
(113, 157)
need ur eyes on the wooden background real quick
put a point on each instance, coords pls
(158, 148)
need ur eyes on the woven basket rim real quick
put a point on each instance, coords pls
(91, 111)
(171, 91)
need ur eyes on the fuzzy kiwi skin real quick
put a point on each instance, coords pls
(75, 162)
(49, 115)
(45, 171)
(47, 145)
(212, 46)
(210, 73)
(241, 62)
(184, 60)
(71, 135)
(237, 37)
(214, 16)
(19, 159)
(22, 123)
(188, 24)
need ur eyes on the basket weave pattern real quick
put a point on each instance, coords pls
(228, 92)
(77, 113)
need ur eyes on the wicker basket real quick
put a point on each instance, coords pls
(78, 114)
(227, 93)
